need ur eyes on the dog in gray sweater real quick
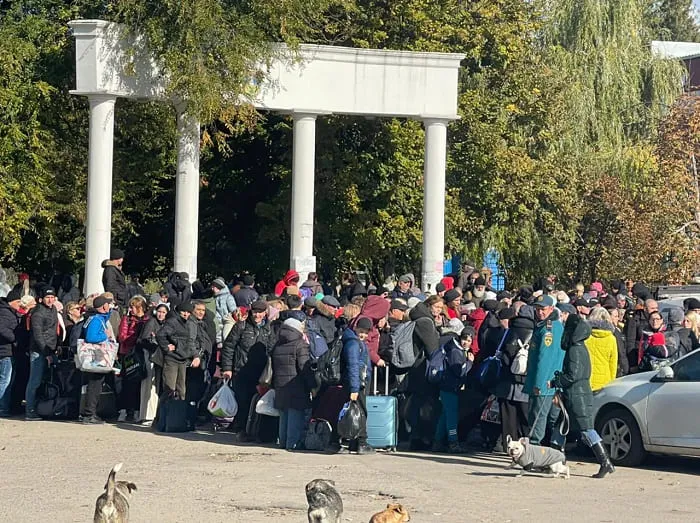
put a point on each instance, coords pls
(536, 457)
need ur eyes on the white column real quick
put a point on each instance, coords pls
(302, 228)
(434, 202)
(99, 194)
(187, 196)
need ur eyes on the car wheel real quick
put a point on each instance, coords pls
(621, 437)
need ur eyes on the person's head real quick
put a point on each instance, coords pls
(614, 316)
(294, 302)
(397, 309)
(101, 305)
(217, 286)
(692, 321)
(435, 304)
(137, 306)
(351, 311)
(362, 328)
(656, 321)
(116, 256)
(453, 299)
(565, 310)
(160, 312)
(440, 289)
(258, 311)
(599, 314)
(14, 299)
(248, 280)
(650, 306)
(404, 283)
(479, 287)
(621, 301)
(505, 315)
(27, 302)
(381, 323)
(579, 289)
(48, 297)
(466, 338)
(72, 310)
(163, 296)
(185, 310)
(199, 310)
(544, 306)
(475, 275)
(312, 276)
(692, 304)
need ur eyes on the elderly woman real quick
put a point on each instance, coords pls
(130, 327)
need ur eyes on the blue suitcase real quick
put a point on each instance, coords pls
(382, 417)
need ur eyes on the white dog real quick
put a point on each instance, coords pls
(537, 457)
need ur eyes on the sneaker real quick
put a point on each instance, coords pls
(122, 416)
(92, 420)
(456, 448)
(365, 449)
(343, 450)
(32, 417)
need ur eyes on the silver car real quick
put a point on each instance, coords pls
(656, 411)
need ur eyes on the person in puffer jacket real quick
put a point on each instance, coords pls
(602, 348)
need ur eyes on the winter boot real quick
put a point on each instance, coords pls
(606, 466)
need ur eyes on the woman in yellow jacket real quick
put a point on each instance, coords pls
(602, 347)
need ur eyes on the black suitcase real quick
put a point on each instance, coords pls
(176, 415)
(107, 403)
(261, 428)
(59, 396)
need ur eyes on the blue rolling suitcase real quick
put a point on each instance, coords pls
(382, 417)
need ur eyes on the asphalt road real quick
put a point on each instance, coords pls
(55, 471)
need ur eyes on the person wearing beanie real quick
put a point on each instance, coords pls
(113, 279)
(225, 307)
(150, 387)
(247, 294)
(453, 302)
(356, 372)
(244, 357)
(691, 304)
(440, 289)
(10, 324)
(479, 291)
(289, 357)
(176, 340)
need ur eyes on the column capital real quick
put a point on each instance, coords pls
(298, 114)
(100, 98)
(435, 120)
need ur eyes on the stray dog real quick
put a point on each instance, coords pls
(394, 513)
(113, 505)
(325, 504)
(536, 457)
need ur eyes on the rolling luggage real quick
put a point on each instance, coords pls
(382, 418)
(176, 415)
(59, 396)
(259, 427)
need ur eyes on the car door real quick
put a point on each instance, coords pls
(673, 407)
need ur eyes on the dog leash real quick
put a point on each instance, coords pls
(564, 426)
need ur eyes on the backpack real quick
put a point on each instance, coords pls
(404, 356)
(492, 368)
(317, 343)
(325, 371)
(318, 435)
(435, 366)
(518, 367)
(305, 292)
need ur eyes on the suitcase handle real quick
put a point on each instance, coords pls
(375, 391)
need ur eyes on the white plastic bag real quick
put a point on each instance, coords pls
(266, 405)
(223, 404)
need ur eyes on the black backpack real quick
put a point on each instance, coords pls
(325, 371)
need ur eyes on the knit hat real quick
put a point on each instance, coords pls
(675, 316)
(448, 282)
(468, 331)
(363, 325)
(489, 305)
(14, 295)
(259, 306)
(480, 282)
(219, 283)
(248, 280)
(691, 304)
(155, 298)
(455, 325)
(506, 314)
(451, 295)
(48, 291)
(294, 323)
(185, 306)
(116, 254)
(490, 295)
(440, 287)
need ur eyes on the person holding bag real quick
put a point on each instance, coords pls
(129, 329)
(151, 386)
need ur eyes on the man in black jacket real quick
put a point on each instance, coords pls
(42, 346)
(113, 278)
(9, 324)
(244, 355)
(205, 335)
(176, 340)
(247, 294)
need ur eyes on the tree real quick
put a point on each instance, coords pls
(673, 20)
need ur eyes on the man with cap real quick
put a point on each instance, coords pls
(325, 317)
(565, 310)
(10, 319)
(97, 329)
(403, 290)
(583, 307)
(247, 293)
(225, 306)
(244, 356)
(176, 341)
(113, 278)
(544, 359)
(42, 346)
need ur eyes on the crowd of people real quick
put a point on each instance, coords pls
(461, 358)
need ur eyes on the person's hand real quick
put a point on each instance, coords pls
(171, 347)
(381, 363)
(536, 391)
(196, 362)
(470, 356)
(555, 400)
(228, 374)
(49, 359)
(354, 396)
(549, 385)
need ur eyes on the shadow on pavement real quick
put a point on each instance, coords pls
(455, 459)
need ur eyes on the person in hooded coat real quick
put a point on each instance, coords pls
(637, 322)
(179, 289)
(113, 279)
(602, 348)
(574, 382)
(375, 309)
(291, 278)
(476, 320)
(68, 291)
(289, 356)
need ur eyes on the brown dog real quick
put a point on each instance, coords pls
(394, 513)
(113, 505)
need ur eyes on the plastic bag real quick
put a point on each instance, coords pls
(492, 411)
(223, 404)
(351, 420)
(266, 405)
(96, 357)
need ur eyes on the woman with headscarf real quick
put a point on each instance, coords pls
(151, 385)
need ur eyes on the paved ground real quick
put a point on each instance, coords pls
(55, 471)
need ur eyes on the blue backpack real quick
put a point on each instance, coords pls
(317, 344)
(305, 292)
(436, 366)
(492, 369)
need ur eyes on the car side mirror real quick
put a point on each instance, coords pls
(665, 374)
